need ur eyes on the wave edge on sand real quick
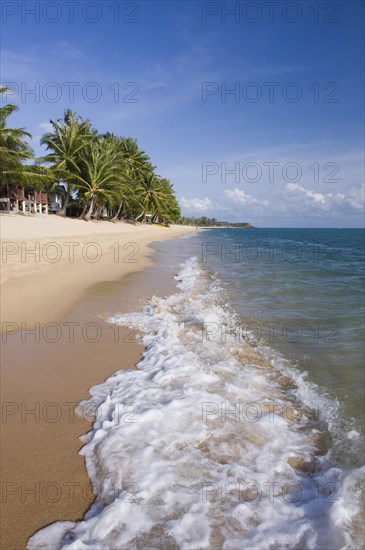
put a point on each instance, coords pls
(184, 454)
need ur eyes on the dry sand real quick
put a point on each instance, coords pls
(43, 476)
(47, 263)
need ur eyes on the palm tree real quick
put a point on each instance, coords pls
(66, 142)
(105, 170)
(170, 208)
(133, 162)
(98, 177)
(151, 195)
(14, 150)
(13, 147)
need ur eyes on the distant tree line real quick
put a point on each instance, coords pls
(203, 221)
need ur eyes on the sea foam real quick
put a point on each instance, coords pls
(210, 444)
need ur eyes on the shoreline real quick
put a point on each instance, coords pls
(42, 277)
(44, 377)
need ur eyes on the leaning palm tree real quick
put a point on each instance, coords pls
(134, 163)
(98, 176)
(124, 192)
(13, 147)
(170, 210)
(66, 141)
(151, 195)
(14, 151)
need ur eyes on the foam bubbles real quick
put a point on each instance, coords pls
(209, 444)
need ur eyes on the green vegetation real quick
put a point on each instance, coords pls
(105, 175)
(108, 175)
(211, 222)
(14, 152)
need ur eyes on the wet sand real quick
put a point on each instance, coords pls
(45, 373)
(44, 477)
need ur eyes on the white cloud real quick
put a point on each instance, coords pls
(327, 201)
(238, 195)
(197, 205)
(357, 196)
(312, 195)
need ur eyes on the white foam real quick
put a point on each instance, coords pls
(167, 477)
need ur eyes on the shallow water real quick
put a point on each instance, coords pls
(242, 427)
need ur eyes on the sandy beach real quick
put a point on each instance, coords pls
(45, 374)
(47, 263)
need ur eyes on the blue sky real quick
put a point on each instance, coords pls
(284, 149)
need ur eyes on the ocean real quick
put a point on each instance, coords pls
(243, 427)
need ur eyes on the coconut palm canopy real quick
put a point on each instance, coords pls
(15, 151)
(105, 174)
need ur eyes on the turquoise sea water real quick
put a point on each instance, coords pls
(301, 292)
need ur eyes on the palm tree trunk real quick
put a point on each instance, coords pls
(89, 212)
(83, 211)
(140, 216)
(98, 212)
(114, 218)
(62, 212)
